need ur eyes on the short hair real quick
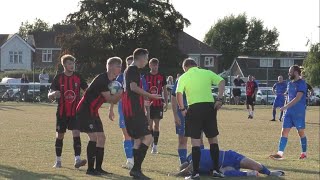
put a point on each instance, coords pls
(139, 52)
(296, 68)
(67, 57)
(154, 61)
(129, 58)
(189, 62)
(114, 60)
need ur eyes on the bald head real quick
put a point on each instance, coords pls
(280, 79)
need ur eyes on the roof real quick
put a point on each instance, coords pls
(4, 38)
(190, 45)
(45, 40)
(260, 73)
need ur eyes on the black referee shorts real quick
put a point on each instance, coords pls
(201, 117)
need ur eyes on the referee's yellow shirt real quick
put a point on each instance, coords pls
(197, 83)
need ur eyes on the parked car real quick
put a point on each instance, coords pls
(8, 91)
(315, 99)
(262, 95)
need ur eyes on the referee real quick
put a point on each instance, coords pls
(202, 112)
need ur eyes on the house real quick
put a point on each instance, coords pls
(15, 53)
(205, 56)
(265, 69)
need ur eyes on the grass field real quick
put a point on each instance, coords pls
(27, 139)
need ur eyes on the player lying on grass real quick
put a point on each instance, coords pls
(230, 163)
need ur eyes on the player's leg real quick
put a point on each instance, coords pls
(58, 148)
(303, 142)
(182, 140)
(128, 149)
(282, 144)
(247, 163)
(77, 149)
(248, 102)
(155, 134)
(201, 141)
(252, 107)
(91, 153)
(274, 112)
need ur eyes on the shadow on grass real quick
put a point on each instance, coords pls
(6, 107)
(318, 124)
(14, 173)
(305, 171)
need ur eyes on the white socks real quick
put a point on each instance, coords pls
(58, 158)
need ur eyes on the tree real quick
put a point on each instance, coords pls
(312, 65)
(107, 28)
(234, 36)
(37, 26)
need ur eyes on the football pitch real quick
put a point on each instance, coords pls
(27, 137)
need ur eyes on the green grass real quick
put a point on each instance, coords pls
(27, 139)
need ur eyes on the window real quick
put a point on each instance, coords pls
(209, 61)
(266, 62)
(286, 62)
(46, 55)
(15, 57)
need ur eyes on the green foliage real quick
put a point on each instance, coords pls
(107, 28)
(235, 35)
(37, 26)
(312, 65)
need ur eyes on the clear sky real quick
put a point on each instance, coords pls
(296, 20)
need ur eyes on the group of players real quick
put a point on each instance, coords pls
(140, 110)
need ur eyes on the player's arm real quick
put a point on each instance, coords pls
(112, 99)
(293, 101)
(135, 88)
(54, 89)
(179, 93)
(165, 93)
(174, 105)
(274, 89)
(255, 90)
(218, 80)
(83, 84)
(111, 112)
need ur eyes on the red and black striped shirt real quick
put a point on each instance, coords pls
(132, 103)
(156, 81)
(93, 99)
(69, 87)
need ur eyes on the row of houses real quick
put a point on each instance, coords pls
(42, 50)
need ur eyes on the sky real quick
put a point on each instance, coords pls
(296, 20)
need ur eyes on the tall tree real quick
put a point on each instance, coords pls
(29, 28)
(235, 36)
(116, 27)
(312, 65)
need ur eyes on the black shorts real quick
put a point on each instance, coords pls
(236, 92)
(156, 112)
(201, 117)
(251, 100)
(137, 125)
(64, 123)
(87, 122)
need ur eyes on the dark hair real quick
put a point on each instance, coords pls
(139, 52)
(154, 61)
(67, 57)
(296, 68)
(189, 63)
(129, 58)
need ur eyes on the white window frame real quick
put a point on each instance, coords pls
(209, 61)
(47, 55)
(15, 57)
(266, 62)
(286, 62)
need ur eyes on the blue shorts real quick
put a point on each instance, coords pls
(232, 159)
(294, 119)
(180, 128)
(278, 102)
(121, 116)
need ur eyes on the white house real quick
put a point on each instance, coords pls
(15, 53)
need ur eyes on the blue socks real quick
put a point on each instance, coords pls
(128, 146)
(274, 113)
(182, 155)
(235, 173)
(283, 143)
(303, 142)
(264, 170)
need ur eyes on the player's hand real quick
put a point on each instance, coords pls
(147, 103)
(184, 113)
(217, 105)
(177, 121)
(57, 94)
(283, 108)
(111, 115)
(252, 96)
(165, 107)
